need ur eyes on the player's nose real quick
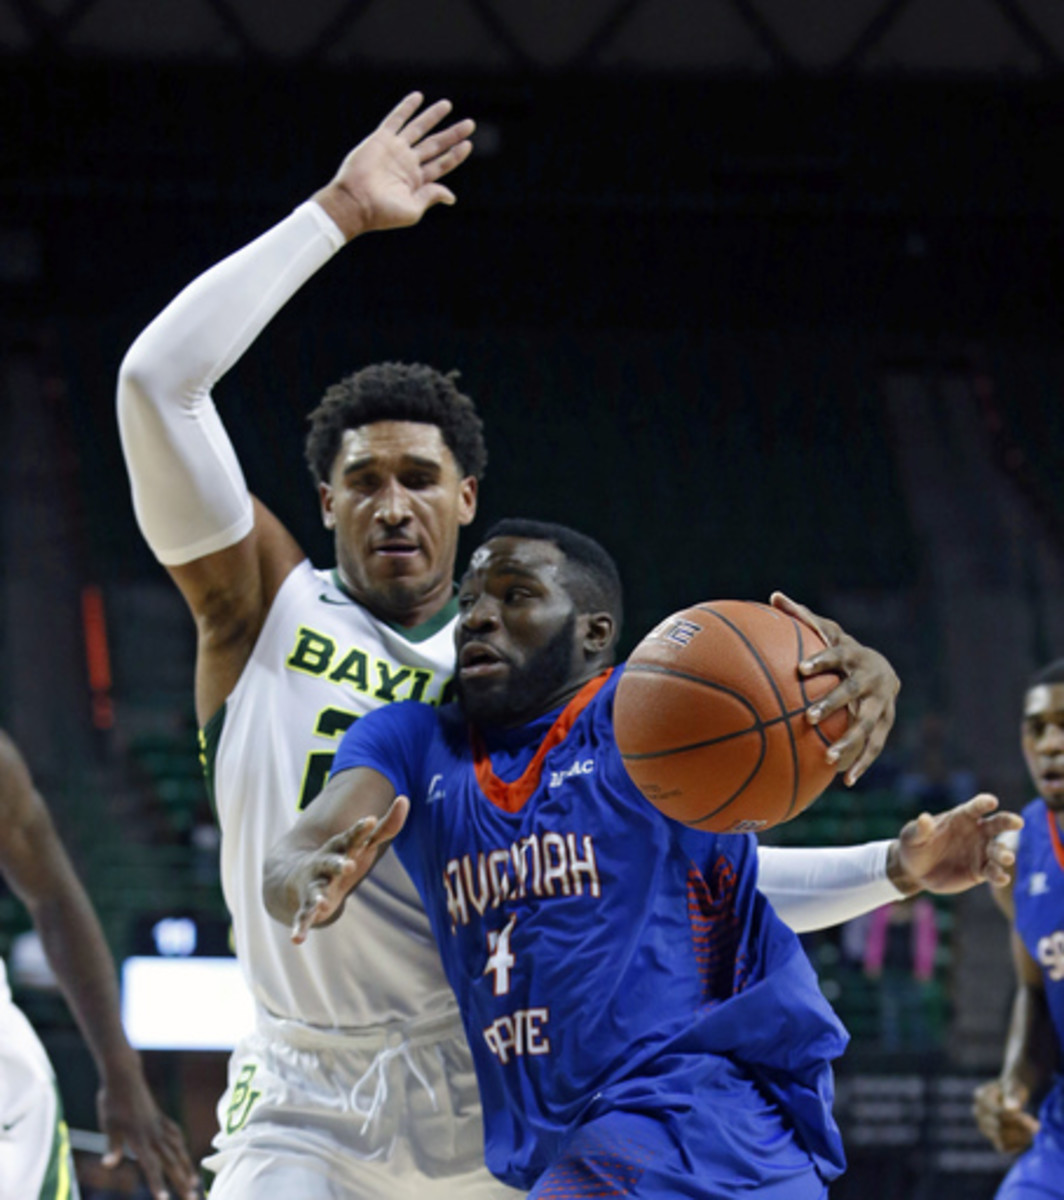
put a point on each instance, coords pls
(482, 614)
(393, 504)
(1051, 739)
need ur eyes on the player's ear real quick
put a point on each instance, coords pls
(325, 498)
(599, 632)
(467, 500)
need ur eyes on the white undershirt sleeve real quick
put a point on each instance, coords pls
(818, 887)
(189, 493)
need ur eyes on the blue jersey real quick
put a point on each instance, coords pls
(1038, 895)
(604, 957)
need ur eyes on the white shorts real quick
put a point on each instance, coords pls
(35, 1158)
(385, 1114)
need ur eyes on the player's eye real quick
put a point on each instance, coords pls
(516, 594)
(419, 482)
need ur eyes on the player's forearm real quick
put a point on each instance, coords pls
(1029, 1047)
(188, 490)
(209, 325)
(818, 887)
(84, 968)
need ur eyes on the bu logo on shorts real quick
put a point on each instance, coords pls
(244, 1096)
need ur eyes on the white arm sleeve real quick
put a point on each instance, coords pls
(815, 888)
(189, 493)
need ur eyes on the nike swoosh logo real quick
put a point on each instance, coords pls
(327, 599)
(7, 1126)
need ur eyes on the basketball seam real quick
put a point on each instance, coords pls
(776, 692)
(758, 726)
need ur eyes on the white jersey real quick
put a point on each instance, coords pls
(320, 662)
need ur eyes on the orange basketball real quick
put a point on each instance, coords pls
(710, 719)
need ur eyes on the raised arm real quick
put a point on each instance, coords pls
(37, 867)
(332, 847)
(226, 554)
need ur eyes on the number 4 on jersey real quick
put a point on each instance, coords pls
(500, 958)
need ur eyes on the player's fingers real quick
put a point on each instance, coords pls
(426, 121)
(310, 912)
(858, 748)
(336, 850)
(979, 806)
(1000, 852)
(177, 1165)
(844, 693)
(402, 112)
(393, 820)
(153, 1172)
(368, 833)
(435, 194)
(1006, 822)
(446, 163)
(431, 148)
(996, 874)
(920, 828)
(794, 609)
(1016, 1131)
(115, 1148)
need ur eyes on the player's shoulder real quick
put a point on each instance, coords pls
(1033, 808)
(1035, 827)
(402, 715)
(400, 731)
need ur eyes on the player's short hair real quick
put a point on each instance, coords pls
(1052, 673)
(594, 581)
(393, 391)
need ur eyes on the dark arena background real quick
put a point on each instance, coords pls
(762, 294)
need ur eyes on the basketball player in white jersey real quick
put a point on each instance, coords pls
(35, 1158)
(357, 1080)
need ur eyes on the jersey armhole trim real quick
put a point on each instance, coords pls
(209, 737)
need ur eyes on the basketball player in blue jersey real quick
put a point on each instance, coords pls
(642, 1021)
(1034, 903)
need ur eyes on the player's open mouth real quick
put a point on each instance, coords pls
(476, 659)
(1052, 780)
(396, 549)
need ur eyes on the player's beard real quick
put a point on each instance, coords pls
(528, 690)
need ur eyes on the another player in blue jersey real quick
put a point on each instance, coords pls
(1035, 904)
(642, 1022)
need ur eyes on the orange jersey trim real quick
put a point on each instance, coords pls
(512, 797)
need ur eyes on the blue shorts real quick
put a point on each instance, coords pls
(702, 1155)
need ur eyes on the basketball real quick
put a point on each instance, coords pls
(709, 717)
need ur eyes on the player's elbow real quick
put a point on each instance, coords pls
(136, 383)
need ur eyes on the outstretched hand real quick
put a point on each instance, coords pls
(954, 850)
(324, 877)
(129, 1116)
(868, 688)
(391, 178)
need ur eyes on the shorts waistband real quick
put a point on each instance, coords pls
(313, 1037)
